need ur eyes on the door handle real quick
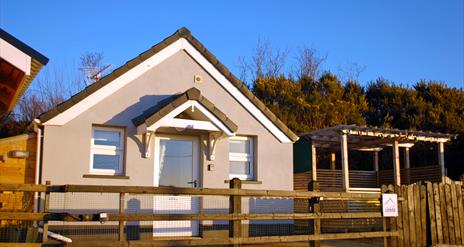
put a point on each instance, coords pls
(194, 182)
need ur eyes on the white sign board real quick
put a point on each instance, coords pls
(389, 205)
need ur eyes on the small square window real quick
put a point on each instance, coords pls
(107, 151)
(241, 157)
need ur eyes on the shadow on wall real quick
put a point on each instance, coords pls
(146, 104)
(133, 227)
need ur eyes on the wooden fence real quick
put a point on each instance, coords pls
(235, 215)
(430, 214)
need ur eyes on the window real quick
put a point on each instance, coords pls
(107, 151)
(241, 157)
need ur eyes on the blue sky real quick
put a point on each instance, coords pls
(401, 41)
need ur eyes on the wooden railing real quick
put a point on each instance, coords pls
(412, 175)
(235, 215)
(331, 180)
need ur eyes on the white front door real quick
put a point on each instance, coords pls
(176, 164)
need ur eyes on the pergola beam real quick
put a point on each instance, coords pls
(364, 133)
(392, 135)
(358, 143)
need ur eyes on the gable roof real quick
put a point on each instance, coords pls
(182, 33)
(157, 112)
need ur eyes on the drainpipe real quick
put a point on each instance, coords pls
(38, 162)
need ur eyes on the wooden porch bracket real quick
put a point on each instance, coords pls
(147, 139)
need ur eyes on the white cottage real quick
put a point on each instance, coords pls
(172, 116)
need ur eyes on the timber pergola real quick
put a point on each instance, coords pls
(367, 138)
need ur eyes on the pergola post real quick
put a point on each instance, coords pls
(396, 164)
(313, 163)
(407, 165)
(332, 161)
(376, 161)
(376, 166)
(441, 160)
(344, 152)
(406, 158)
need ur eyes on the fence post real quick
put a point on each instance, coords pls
(235, 207)
(121, 211)
(392, 220)
(315, 208)
(45, 210)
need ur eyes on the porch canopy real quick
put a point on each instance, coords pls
(364, 138)
(186, 113)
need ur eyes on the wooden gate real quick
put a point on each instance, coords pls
(430, 214)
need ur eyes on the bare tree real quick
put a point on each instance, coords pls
(351, 72)
(48, 90)
(51, 87)
(308, 63)
(56, 84)
(265, 62)
(91, 66)
(244, 69)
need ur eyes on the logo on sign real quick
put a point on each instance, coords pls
(389, 205)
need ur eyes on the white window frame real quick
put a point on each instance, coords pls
(107, 150)
(248, 157)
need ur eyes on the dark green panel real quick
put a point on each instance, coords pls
(302, 155)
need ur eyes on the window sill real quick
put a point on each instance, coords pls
(245, 181)
(105, 176)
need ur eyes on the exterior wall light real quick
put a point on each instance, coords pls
(19, 154)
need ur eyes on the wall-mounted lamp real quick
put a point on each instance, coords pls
(17, 154)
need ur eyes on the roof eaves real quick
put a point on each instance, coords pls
(242, 87)
(110, 77)
(23, 47)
